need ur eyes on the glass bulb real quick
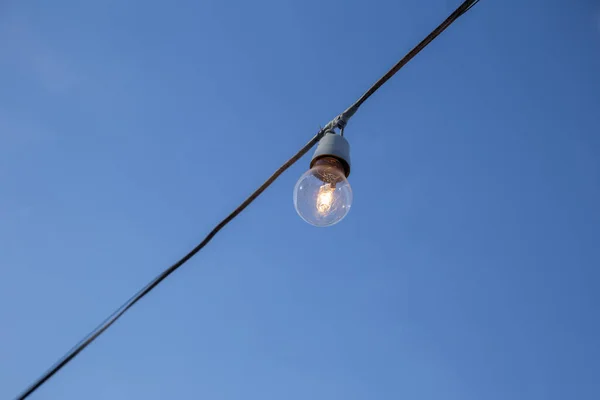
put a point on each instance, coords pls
(323, 196)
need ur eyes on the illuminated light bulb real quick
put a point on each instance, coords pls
(323, 196)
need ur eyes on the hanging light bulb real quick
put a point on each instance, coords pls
(323, 196)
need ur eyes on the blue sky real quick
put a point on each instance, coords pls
(467, 268)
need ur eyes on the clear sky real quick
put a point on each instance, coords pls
(467, 269)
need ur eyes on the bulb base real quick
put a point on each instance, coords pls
(331, 171)
(336, 146)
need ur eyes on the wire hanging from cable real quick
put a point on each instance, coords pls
(339, 121)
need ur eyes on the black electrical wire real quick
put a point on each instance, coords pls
(461, 10)
(79, 347)
(470, 6)
(163, 275)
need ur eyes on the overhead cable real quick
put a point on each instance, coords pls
(339, 122)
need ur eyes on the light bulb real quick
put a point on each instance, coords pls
(323, 196)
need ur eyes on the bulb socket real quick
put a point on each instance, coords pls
(334, 146)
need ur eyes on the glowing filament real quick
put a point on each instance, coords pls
(325, 198)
